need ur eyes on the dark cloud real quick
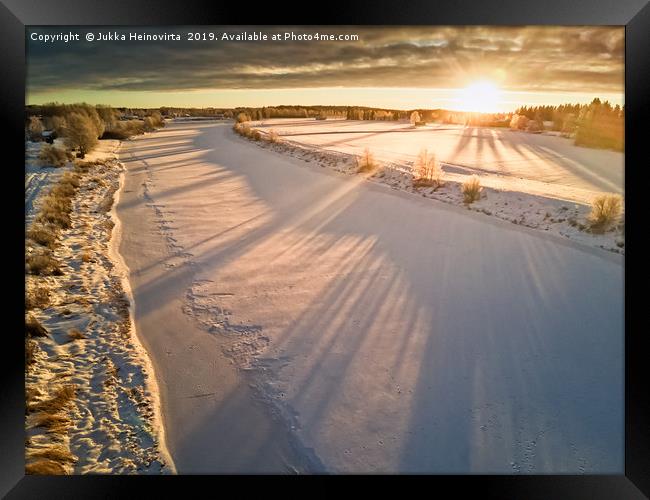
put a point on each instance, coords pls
(586, 59)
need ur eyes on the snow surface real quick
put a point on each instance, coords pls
(387, 332)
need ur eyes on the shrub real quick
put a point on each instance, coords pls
(272, 136)
(366, 163)
(37, 297)
(55, 211)
(45, 467)
(148, 124)
(69, 178)
(33, 328)
(57, 123)
(42, 264)
(242, 129)
(59, 400)
(518, 122)
(81, 132)
(43, 235)
(245, 130)
(56, 208)
(51, 156)
(157, 120)
(35, 128)
(123, 130)
(427, 170)
(243, 117)
(119, 132)
(605, 210)
(75, 334)
(57, 205)
(107, 115)
(471, 189)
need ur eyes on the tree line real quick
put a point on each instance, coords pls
(82, 125)
(597, 124)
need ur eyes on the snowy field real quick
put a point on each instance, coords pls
(384, 332)
(552, 165)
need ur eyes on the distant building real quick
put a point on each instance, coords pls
(49, 136)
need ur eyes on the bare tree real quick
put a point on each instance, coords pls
(108, 116)
(80, 132)
(35, 128)
(158, 120)
(148, 124)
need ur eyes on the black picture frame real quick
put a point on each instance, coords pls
(15, 15)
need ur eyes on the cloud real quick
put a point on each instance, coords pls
(580, 59)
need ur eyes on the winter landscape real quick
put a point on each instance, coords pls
(387, 280)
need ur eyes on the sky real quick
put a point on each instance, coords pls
(473, 68)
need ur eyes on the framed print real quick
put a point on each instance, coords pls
(384, 241)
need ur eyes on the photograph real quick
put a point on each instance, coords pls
(338, 249)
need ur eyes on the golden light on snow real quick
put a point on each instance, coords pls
(480, 97)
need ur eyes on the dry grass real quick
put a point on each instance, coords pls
(605, 211)
(245, 130)
(37, 297)
(272, 136)
(72, 179)
(366, 162)
(124, 130)
(471, 190)
(86, 256)
(56, 452)
(49, 415)
(33, 328)
(43, 235)
(45, 467)
(427, 171)
(42, 264)
(57, 205)
(55, 211)
(75, 334)
(30, 352)
(51, 156)
(59, 400)
(53, 423)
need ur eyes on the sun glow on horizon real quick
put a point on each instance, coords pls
(480, 97)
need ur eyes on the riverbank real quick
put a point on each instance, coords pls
(91, 405)
(527, 184)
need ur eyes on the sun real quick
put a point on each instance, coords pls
(480, 97)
